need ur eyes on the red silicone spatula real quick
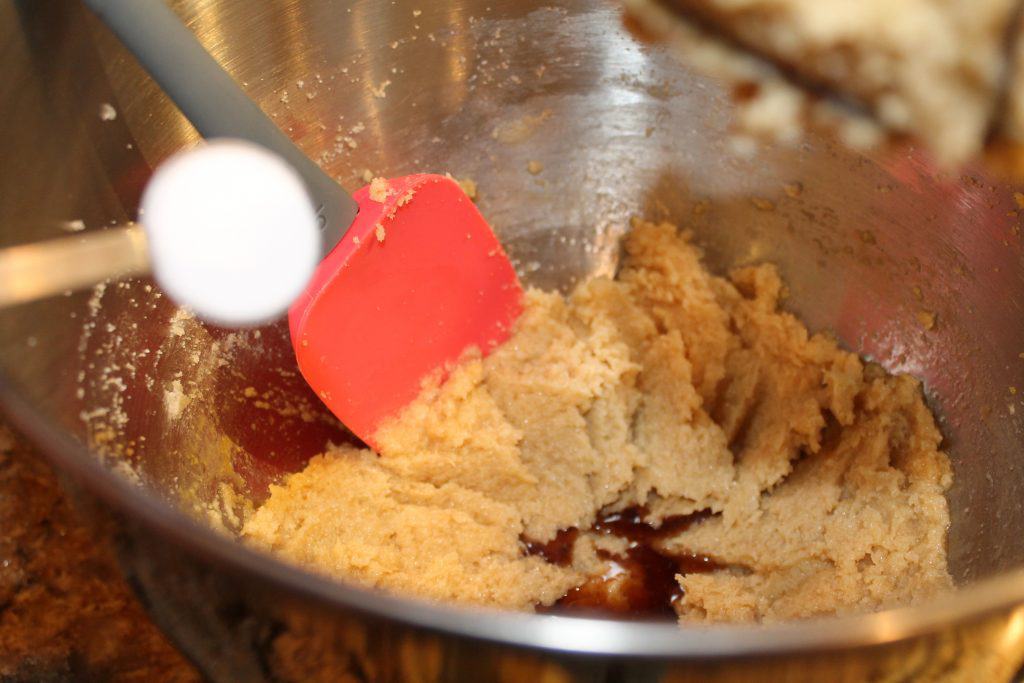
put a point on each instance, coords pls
(408, 282)
(417, 279)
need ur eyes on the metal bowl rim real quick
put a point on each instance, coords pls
(553, 633)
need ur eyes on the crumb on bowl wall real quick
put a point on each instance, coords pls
(467, 184)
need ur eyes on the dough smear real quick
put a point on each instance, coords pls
(667, 392)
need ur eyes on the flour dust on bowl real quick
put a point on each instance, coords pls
(569, 129)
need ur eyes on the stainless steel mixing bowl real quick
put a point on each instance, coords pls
(175, 426)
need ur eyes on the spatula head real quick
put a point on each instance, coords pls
(418, 279)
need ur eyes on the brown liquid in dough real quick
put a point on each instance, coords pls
(668, 389)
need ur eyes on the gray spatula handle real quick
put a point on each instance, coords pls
(211, 99)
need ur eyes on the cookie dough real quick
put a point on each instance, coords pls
(669, 391)
(936, 70)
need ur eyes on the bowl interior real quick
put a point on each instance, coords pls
(206, 418)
